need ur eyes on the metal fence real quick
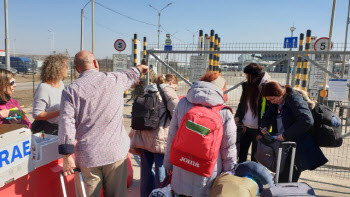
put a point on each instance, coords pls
(178, 62)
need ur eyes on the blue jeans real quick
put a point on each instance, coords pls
(149, 179)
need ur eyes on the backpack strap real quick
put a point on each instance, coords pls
(216, 108)
(167, 112)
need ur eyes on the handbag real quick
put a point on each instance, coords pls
(266, 153)
(43, 125)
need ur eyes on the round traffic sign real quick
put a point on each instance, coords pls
(321, 44)
(323, 93)
(119, 45)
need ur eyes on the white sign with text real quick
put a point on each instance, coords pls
(198, 67)
(120, 62)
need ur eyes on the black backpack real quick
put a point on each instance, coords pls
(327, 130)
(144, 115)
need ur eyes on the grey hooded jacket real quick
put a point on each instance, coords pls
(185, 182)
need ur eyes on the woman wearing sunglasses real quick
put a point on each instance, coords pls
(8, 85)
(47, 97)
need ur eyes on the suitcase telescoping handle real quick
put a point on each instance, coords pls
(283, 144)
(81, 182)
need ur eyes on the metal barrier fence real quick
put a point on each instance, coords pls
(178, 62)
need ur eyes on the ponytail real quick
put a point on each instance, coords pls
(166, 79)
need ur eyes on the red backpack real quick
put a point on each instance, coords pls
(197, 142)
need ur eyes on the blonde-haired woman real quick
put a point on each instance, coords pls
(47, 96)
(8, 85)
(151, 144)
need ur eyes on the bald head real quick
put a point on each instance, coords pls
(85, 60)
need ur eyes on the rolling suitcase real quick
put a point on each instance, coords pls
(287, 189)
(81, 182)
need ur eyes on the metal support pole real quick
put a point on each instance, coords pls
(288, 69)
(158, 30)
(93, 25)
(147, 63)
(7, 41)
(294, 69)
(345, 43)
(33, 77)
(329, 44)
(289, 59)
(173, 70)
(82, 29)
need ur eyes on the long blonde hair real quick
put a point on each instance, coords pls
(166, 79)
(5, 77)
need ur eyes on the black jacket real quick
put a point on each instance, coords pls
(297, 123)
(296, 116)
(240, 112)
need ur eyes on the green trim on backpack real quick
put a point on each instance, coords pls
(197, 128)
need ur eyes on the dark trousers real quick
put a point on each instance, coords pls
(247, 138)
(283, 178)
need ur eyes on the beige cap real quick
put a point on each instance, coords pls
(219, 82)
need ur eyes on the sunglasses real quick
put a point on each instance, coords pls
(12, 82)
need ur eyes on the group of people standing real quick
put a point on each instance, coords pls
(89, 113)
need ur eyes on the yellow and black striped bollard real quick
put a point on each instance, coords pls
(299, 63)
(201, 41)
(211, 48)
(218, 55)
(144, 48)
(216, 65)
(306, 63)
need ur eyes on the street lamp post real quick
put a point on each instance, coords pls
(52, 41)
(288, 66)
(193, 33)
(291, 30)
(159, 12)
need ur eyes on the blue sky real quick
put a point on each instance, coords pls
(234, 21)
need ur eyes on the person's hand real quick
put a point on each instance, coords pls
(5, 113)
(143, 68)
(236, 120)
(258, 137)
(68, 165)
(280, 138)
(244, 129)
(15, 121)
(263, 132)
(170, 172)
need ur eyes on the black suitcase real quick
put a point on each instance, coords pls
(287, 189)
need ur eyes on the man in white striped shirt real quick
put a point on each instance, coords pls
(92, 113)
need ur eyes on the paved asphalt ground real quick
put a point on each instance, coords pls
(323, 185)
